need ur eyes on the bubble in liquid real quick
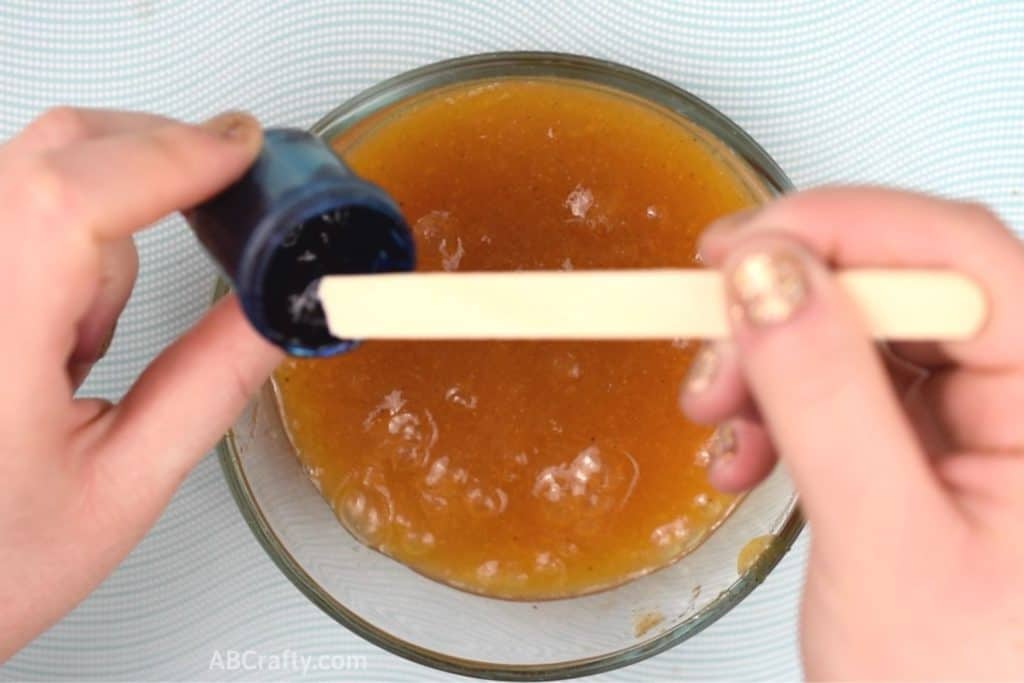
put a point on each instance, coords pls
(513, 465)
(416, 543)
(438, 233)
(548, 485)
(451, 257)
(579, 201)
(480, 89)
(487, 570)
(581, 493)
(404, 424)
(437, 471)
(392, 402)
(441, 492)
(714, 506)
(671, 533)
(551, 567)
(435, 502)
(486, 503)
(363, 505)
(432, 224)
(457, 395)
(570, 549)
(407, 434)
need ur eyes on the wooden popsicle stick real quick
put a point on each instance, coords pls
(621, 304)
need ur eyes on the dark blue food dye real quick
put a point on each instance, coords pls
(297, 215)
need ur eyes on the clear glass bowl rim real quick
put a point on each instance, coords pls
(544, 65)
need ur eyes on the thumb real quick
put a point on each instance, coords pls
(823, 392)
(185, 400)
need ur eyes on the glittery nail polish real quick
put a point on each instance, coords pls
(722, 447)
(770, 286)
(702, 370)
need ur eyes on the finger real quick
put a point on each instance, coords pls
(741, 454)
(980, 410)
(119, 265)
(923, 354)
(714, 389)
(62, 126)
(115, 185)
(708, 251)
(823, 391)
(851, 227)
(907, 380)
(905, 376)
(931, 433)
(186, 399)
(988, 485)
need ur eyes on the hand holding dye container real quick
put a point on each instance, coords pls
(297, 215)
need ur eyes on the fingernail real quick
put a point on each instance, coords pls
(723, 227)
(732, 222)
(702, 370)
(770, 286)
(722, 447)
(233, 126)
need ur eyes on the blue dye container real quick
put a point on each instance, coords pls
(296, 215)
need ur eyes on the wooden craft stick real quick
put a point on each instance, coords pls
(621, 304)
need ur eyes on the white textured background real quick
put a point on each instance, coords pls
(925, 94)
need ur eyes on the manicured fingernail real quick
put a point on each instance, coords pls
(233, 126)
(722, 448)
(702, 370)
(770, 286)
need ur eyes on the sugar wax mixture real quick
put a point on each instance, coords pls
(524, 470)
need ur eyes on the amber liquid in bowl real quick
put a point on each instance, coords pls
(524, 470)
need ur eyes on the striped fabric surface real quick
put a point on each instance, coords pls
(922, 94)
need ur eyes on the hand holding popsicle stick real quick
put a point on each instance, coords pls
(909, 463)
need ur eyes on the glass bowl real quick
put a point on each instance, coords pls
(439, 626)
